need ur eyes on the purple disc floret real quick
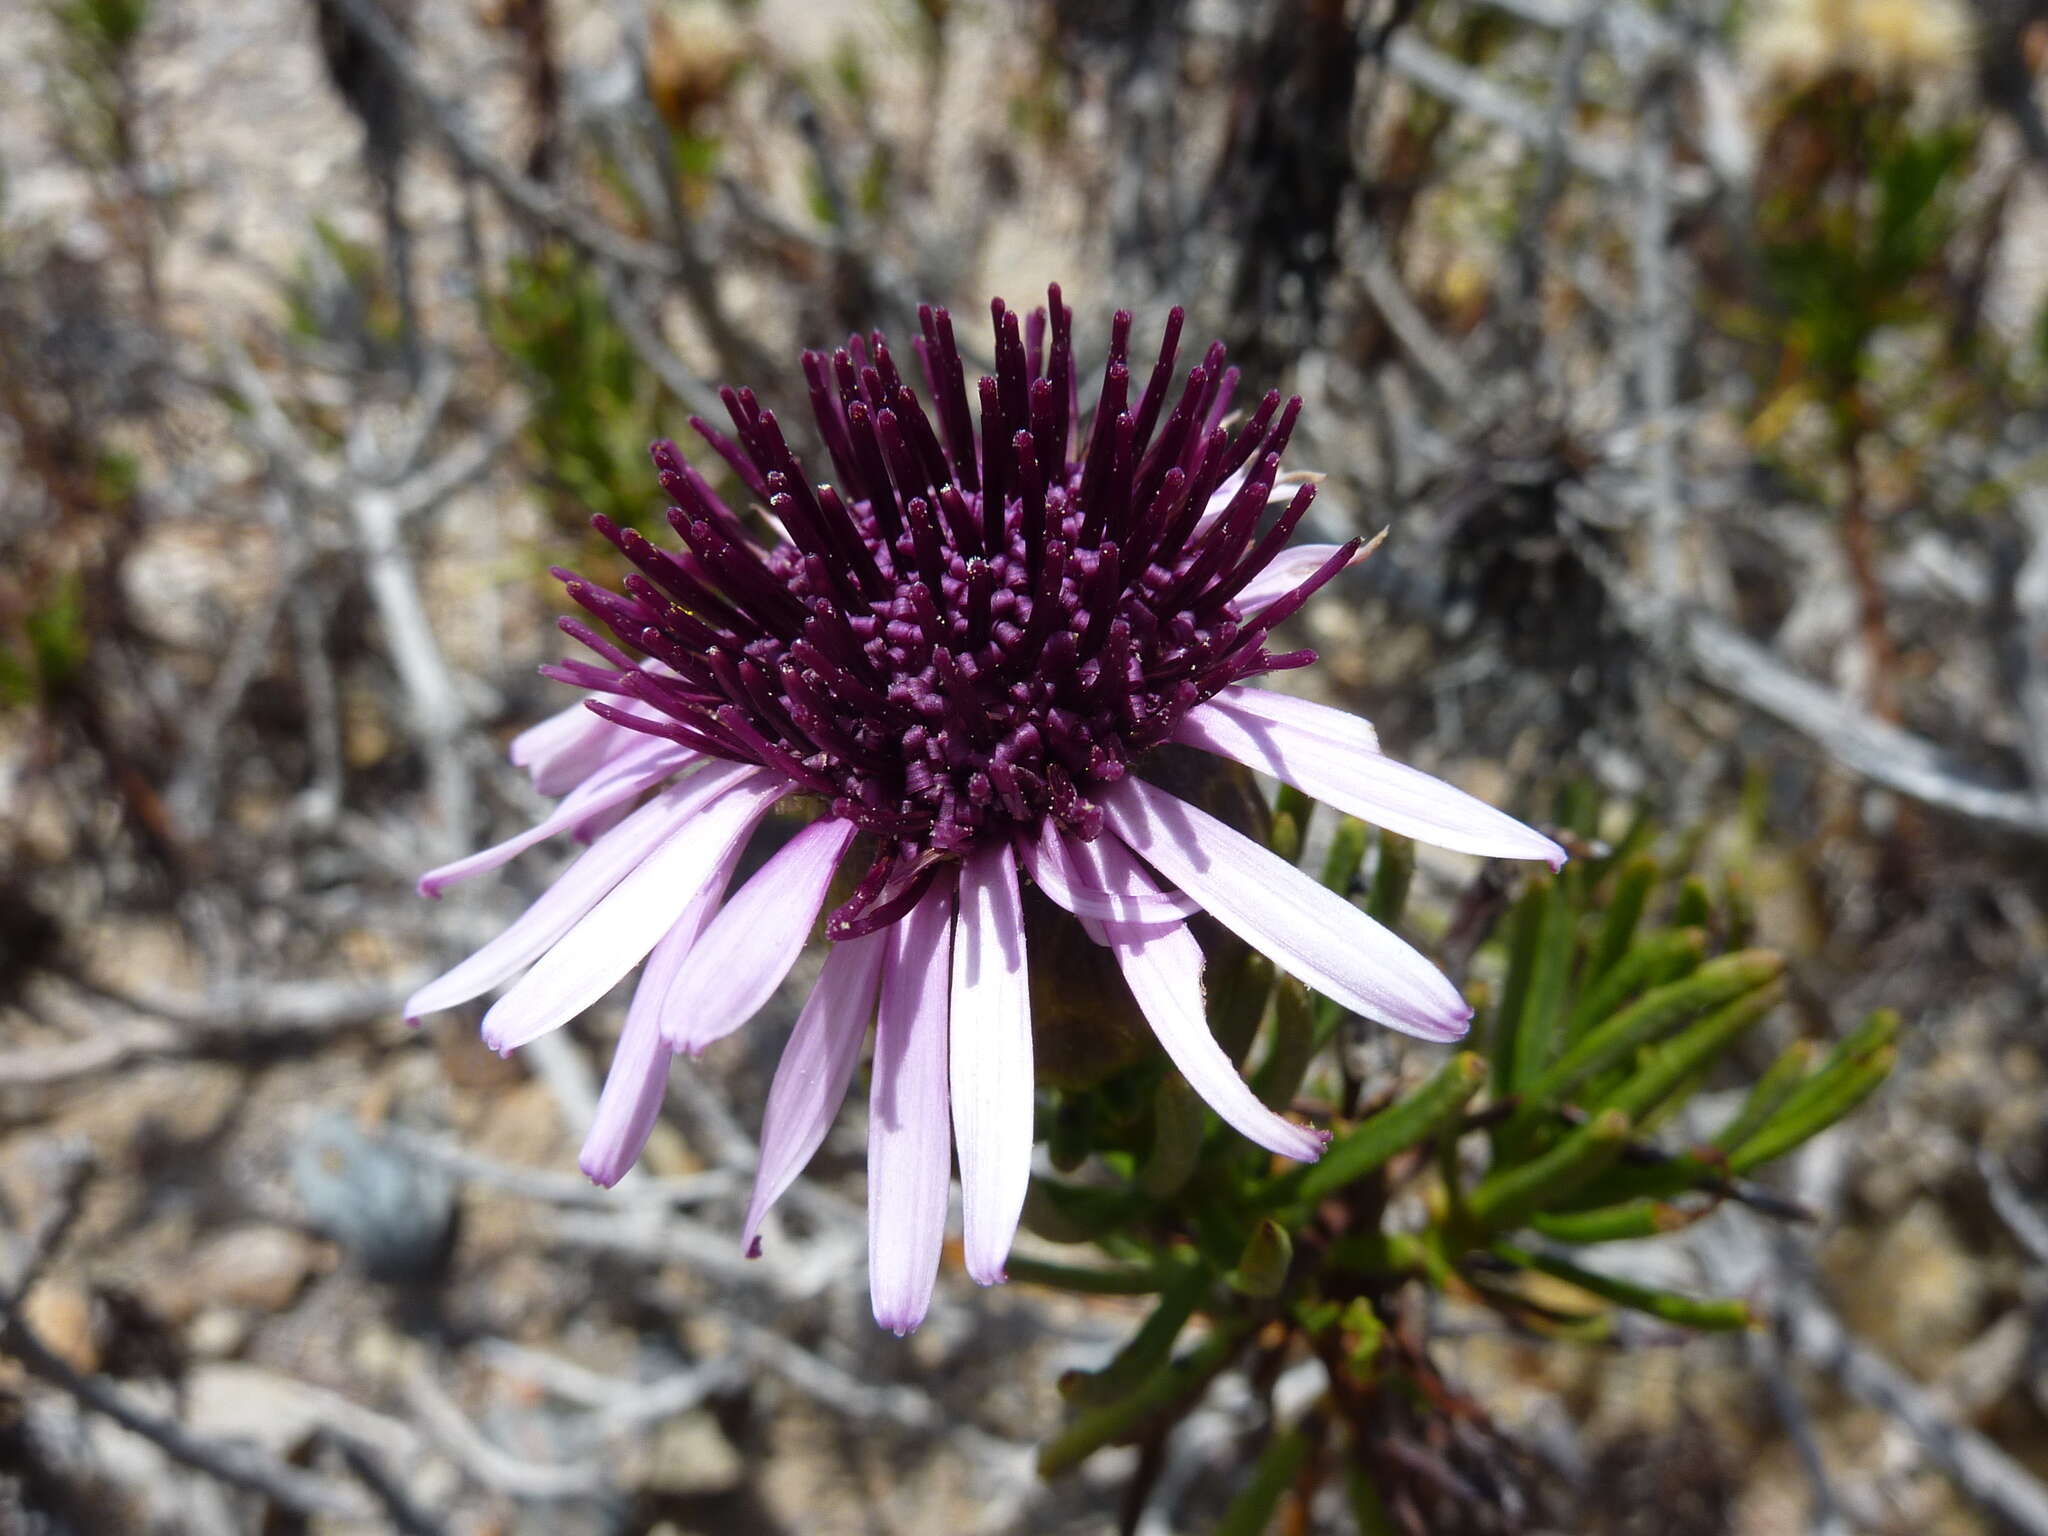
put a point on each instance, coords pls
(986, 616)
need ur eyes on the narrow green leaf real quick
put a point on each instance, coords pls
(1072, 1213)
(1847, 1088)
(1650, 1018)
(1695, 905)
(1387, 1253)
(1291, 1047)
(1278, 1466)
(1862, 1042)
(1525, 938)
(1685, 1311)
(1366, 1147)
(1612, 1223)
(1148, 1347)
(1116, 1280)
(1550, 969)
(1159, 1393)
(1665, 1067)
(1237, 1001)
(1391, 877)
(1778, 1083)
(1632, 884)
(1347, 852)
(1739, 909)
(1291, 811)
(1179, 1122)
(1510, 1197)
(1653, 962)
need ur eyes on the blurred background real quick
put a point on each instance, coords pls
(1694, 354)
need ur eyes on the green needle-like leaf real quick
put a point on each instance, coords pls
(1291, 811)
(1613, 1223)
(1347, 852)
(1159, 1393)
(1686, 1311)
(1507, 1199)
(1291, 1048)
(1649, 1019)
(1391, 877)
(1278, 1466)
(1148, 1348)
(1769, 1095)
(1666, 1067)
(1653, 962)
(1117, 1280)
(1179, 1124)
(1367, 1146)
(1550, 968)
(1845, 1089)
(1632, 885)
(1525, 939)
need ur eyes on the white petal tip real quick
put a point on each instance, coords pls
(988, 1275)
(902, 1324)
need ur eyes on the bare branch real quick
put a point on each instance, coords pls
(241, 1466)
(1603, 159)
(517, 1477)
(1882, 753)
(537, 202)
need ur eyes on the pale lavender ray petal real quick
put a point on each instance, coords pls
(574, 892)
(1163, 966)
(990, 1059)
(616, 934)
(638, 1075)
(1369, 785)
(910, 1132)
(591, 830)
(565, 749)
(1224, 494)
(636, 769)
(816, 1066)
(1046, 861)
(1303, 927)
(548, 738)
(753, 942)
(1337, 726)
(1290, 568)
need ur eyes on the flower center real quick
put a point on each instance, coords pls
(967, 632)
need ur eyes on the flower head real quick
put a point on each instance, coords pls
(962, 649)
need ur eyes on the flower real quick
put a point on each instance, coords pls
(961, 651)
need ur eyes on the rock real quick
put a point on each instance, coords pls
(1930, 1303)
(691, 1457)
(60, 1314)
(217, 1332)
(233, 1401)
(262, 1268)
(394, 1215)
